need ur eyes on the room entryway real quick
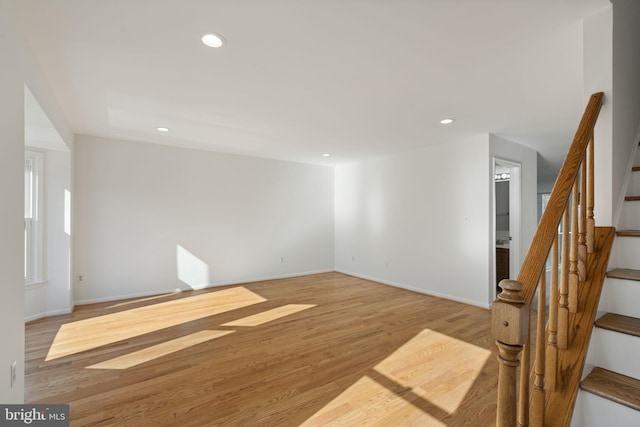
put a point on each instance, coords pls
(506, 229)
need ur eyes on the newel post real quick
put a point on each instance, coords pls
(510, 327)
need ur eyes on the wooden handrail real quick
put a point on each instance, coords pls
(572, 196)
(536, 258)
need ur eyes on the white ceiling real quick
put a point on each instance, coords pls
(299, 78)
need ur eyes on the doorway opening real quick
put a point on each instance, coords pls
(507, 212)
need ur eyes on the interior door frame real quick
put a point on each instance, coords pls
(515, 219)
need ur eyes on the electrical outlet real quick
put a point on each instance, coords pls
(13, 373)
(80, 278)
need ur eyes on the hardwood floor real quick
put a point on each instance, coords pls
(326, 349)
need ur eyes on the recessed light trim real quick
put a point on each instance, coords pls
(162, 129)
(446, 121)
(213, 40)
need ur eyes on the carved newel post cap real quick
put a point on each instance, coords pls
(511, 291)
(510, 315)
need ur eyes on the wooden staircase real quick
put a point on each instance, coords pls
(541, 357)
(613, 386)
(619, 323)
(544, 353)
(610, 393)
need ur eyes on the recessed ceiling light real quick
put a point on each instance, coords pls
(446, 121)
(213, 40)
(162, 129)
(326, 155)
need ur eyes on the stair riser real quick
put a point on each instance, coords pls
(595, 411)
(626, 252)
(620, 297)
(630, 215)
(634, 184)
(614, 351)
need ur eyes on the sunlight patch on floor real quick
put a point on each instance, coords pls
(95, 332)
(138, 357)
(424, 381)
(270, 315)
(367, 403)
(438, 368)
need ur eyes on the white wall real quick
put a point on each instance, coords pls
(598, 77)
(35, 301)
(612, 64)
(422, 220)
(142, 209)
(11, 212)
(626, 90)
(419, 220)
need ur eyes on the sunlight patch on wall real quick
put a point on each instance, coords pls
(191, 269)
(147, 354)
(270, 315)
(95, 332)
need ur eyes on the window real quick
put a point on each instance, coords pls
(545, 200)
(33, 164)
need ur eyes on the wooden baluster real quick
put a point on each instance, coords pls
(510, 327)
(563, 310)
(582, 225)
(538, 392)
(591, 223)
(573, 254)
(523, 392)
(552, 341)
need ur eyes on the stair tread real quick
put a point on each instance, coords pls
(613, 386)
(632, 198)
(619, 323)
(624, 273)
(628, 233)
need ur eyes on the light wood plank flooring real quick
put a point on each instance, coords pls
(326, 349)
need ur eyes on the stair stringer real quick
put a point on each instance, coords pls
(560, 403)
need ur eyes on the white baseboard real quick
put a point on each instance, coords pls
(262, 279)
(59, 312)
(421, 291)
(213, 285)
(34, 317)
(48, 314)
(251, 280)
(126, 296)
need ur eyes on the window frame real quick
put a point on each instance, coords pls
(33, 216)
